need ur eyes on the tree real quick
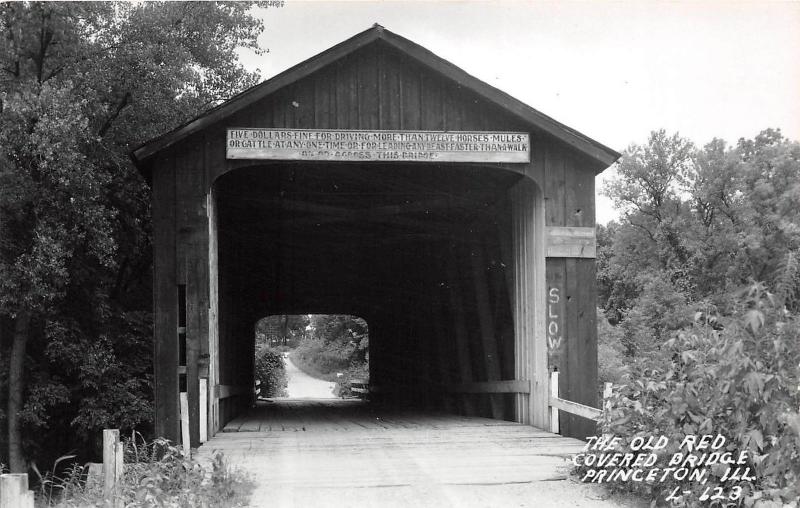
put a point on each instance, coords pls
(80, 85)
(697, 224)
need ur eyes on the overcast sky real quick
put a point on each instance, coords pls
(612, 70)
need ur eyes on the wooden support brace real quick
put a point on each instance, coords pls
(575, 408)
(571, 242)
(503, 386)
(553, 410)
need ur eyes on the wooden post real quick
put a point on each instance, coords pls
(530, 351)
(112, 461)
(14, 491)
(554, 393)
(185, 440)
(606, 402)
(203, 409)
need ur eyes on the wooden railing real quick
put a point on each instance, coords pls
(360, 386)
(558, 404)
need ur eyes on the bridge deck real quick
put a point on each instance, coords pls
(348, 453)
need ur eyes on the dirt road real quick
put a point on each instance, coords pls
(303, 386)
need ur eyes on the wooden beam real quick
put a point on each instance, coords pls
(165, 302)
(493, 387)
(226, 391)
(529, 302)
(571, 242)
(576, 409)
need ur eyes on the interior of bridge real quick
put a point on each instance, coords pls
(419, 251)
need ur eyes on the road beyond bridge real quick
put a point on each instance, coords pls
(347, 453)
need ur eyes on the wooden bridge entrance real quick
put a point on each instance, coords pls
(377, 179)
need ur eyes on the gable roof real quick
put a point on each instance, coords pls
(589, 147)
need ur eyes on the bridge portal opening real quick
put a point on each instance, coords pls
(421, 252)
(311, 356)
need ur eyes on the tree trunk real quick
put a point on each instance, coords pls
(16, 363)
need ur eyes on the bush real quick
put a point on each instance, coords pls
(610, 351)
(322, 359)
(271, 372)
(156, 474)
(735, 376)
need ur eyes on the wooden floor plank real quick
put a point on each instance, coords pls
(419, 459)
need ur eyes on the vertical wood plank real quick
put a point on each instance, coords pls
(555, 187)
(165, 301)
(409, 83)
(302, 104)
(203, 410)
(553, 411)
(391, 93)
(443, 351)
(460, 329)
(187, 447)
(530, 284)
(431, 103)
(487, 327)
(112, 453)
(556, 313)
(579, 199)
(582, 344)
(324, 108)
(368, 93)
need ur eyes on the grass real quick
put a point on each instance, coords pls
(157, 474)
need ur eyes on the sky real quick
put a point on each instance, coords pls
(613, 70)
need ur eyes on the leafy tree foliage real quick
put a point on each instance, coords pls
(82, 83)
(705, 347)
(287, 329)
(336, 343)
(704, 221)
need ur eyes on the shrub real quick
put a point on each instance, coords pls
(735, 376)
(610, 351)
(156, 474)
(271, 372)
(323, 359)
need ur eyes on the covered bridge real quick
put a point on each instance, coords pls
(379, 180)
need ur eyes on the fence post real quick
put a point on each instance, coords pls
(606, 403)
(203, 409)
(14, 491)
(187, 447)
(112, 461)
(554, 393)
